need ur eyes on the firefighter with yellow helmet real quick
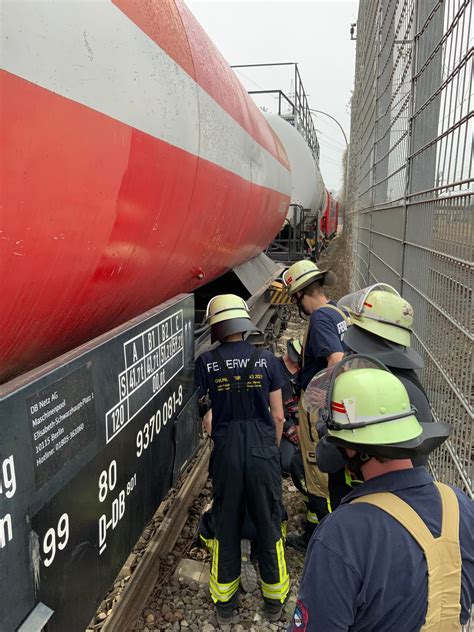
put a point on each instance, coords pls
(323, 346)
(398, 553)
(381, 327)
(244, 387)
(382, 322)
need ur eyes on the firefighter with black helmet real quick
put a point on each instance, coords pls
(323, 346)
(398, 553)
(381, 327)
(244, 387)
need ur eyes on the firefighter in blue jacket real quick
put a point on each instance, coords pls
(244, 387)
(381, 327)
(398, 553)
(323, 346)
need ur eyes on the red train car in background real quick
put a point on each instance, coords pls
(329, 217)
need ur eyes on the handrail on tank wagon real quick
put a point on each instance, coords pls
(299, 104)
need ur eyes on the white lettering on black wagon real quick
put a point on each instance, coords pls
(152, 359)
(115, 502)
(153, 426)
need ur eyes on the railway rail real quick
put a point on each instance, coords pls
(167, 524)
(149, 570)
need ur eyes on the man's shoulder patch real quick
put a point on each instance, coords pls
(300, 617)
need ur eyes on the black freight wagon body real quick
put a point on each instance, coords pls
(90, 444)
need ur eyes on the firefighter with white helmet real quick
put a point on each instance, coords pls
(381, 327)
(383, 324)
(398, 553)
(303, 273)
(244, 387)
(323, 346)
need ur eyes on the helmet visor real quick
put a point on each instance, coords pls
(318, 396)
(357, 301)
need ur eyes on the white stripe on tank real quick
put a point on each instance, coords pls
(94, 54)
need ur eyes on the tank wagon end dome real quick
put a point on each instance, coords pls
(307, 185)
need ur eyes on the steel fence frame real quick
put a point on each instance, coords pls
(410, 192)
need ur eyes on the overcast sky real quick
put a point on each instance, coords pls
(313, 33)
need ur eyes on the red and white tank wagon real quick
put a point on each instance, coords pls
(135, 169)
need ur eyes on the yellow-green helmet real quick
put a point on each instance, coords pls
(380, 310)
(228, 314)
(301, 274)
(294, 349)
(366, 408)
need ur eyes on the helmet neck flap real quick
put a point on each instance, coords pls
(390, 353)
(294, 349)
(228, 314)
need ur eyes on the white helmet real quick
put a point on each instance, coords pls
(228, 314)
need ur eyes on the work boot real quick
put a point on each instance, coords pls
(298, 542)
(248, 574)
(274, 609)
(226, 613)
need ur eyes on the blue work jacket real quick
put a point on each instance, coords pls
(365, 573)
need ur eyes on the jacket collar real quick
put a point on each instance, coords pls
(391, 482)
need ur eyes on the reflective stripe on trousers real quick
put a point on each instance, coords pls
(224, 592)
(221, 592)
(312, 516)
(246, 476)
(278, 591)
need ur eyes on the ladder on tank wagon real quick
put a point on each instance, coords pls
(294, 241)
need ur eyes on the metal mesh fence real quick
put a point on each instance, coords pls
(411, 188)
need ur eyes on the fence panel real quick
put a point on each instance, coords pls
(410, 192)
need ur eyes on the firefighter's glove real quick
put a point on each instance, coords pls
(204, 405)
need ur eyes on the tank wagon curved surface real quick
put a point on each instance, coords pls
(135, 167)
(307, 186)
